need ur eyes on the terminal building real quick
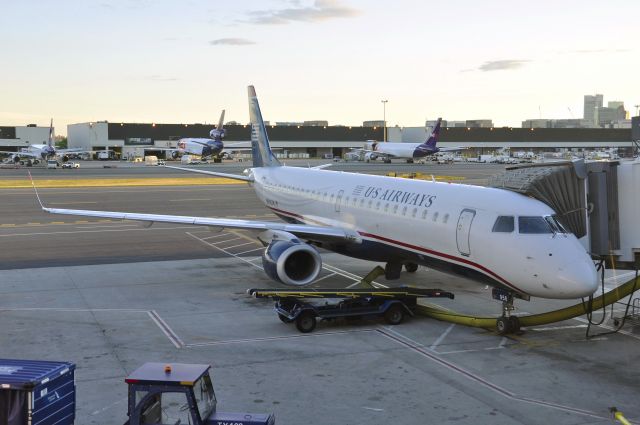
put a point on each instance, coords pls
(16, 138)
(137, 140)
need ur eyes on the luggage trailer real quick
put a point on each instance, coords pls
(303, 305)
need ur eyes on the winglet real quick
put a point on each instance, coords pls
(36, 190)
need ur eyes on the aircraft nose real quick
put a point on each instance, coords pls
(578, 279)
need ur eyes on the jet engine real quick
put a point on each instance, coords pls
(65, 158)
(175, 154)
(16, 159)
(370, 156)
(291, 262)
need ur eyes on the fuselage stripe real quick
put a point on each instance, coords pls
(413, 247)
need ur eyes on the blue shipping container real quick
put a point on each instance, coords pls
(35, 392)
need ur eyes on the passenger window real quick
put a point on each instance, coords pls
(395, 209)
(386, 207)
(378, 205)
(445, 218)
(435, 216)
(504, 224)
(533, 225)
(370, 202)
(415, 210)
(424, 214)
(404, 211)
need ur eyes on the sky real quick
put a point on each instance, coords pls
(184, 61)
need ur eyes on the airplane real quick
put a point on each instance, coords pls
(491, 236)
(204, 147)
(408, 151)
(43, 152)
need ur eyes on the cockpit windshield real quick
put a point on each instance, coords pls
(540, 225)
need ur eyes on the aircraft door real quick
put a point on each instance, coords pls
(463, 230)
(339, 200)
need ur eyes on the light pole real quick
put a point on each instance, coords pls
(384, 120)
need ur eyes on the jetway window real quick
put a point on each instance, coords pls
(504, 224)
(533, 225)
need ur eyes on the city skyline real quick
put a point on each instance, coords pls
(143, 61)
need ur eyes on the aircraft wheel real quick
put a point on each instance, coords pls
(284, 319)
(514, 324)
(306, 322)
(411, 267)
(503, 325)
(394, 314)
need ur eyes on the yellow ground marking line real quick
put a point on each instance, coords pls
(181, 181)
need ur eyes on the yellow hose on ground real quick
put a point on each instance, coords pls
(535, 319)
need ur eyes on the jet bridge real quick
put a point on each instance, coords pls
(598, 201)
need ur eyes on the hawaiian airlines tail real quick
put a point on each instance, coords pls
(260, 149)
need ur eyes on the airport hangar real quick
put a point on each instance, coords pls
(138, 139)
(17, 137)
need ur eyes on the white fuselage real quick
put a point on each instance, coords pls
(441, 225)
(396, 150)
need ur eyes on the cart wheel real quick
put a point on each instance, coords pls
(411, 267)
(306, 322)
(394, 314)
(284, 318)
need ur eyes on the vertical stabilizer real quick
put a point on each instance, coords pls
(260, 149)
(435, 135)
(50, 141)
(221, 122)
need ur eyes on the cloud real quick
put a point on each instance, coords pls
(322, 10)
(502, 65)
(231, 42)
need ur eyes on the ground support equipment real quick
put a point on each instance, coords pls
(394, 304)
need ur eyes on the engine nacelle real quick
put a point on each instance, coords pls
(370, 156)
(291, 262)
(175, 154)
(16, 159)
(65, 158)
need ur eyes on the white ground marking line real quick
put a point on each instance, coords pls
(375, 409)
(253, 259)
(155, 317)
(173, 337)
(239, 245)
(276, 338)
(215, 236)
(623, 332)
(503, 342)
(223, 250)
(189, 199)
(107, 407)
(228, 240)
(74, 232)
(442, 337)
(251, 250)
(324, 277)
(426, 353)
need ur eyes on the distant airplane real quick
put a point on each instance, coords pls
(409, 151)
(491, 236)
(204, 147)
(43, 152)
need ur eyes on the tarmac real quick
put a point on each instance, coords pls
(110, 296)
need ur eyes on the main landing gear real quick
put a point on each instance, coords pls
(507, 324)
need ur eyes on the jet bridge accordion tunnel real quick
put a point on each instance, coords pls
(597, 201)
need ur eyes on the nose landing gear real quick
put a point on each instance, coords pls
(507, 324)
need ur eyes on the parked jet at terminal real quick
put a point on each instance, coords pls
(43, 152)
(492, 236)
(204, 147)
(408, 151)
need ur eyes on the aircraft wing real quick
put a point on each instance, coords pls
(25, 153)
(213, 173)
(452, 149)
(315, 233)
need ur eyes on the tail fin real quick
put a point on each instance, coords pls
(221, 122)
(435, 135)
(260, 149)
(50, 141)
